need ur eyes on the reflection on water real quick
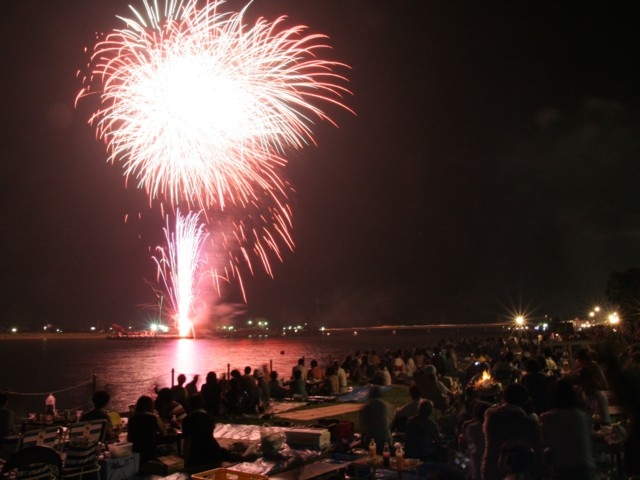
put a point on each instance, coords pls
(130, 368)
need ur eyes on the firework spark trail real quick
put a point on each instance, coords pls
(199, 108)
(180, 267)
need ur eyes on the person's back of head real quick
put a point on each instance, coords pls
(165, 395)
(100, 399)
(196, 402)
(375, 392)
(533, 366)
(563, 395)
(583, 355)
(426, 408)
(414, 392)
(235, 373)
(247, 370)
(144, 404)
(516, 394)
(211, 377)
(301, 361)
(181, 379)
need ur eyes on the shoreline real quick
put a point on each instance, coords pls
(52, 336)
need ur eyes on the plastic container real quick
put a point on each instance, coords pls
(226, 474)
(120, 449)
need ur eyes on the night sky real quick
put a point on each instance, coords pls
(491, 167)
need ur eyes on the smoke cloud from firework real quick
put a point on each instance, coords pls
(199, 109)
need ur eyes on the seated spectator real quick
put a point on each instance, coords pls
(432, 388)
(276, 389)
(100, 400)
(472, 437)
(145, 430)
(263, 385)
(516, 461)
(170, 411)
(201, 450)
(422, 435)
(566, 433)
(298, 386)
(315, 373)
(331, 384)
(509, 422)
(537, 383)
(406, 411)
(8, 433)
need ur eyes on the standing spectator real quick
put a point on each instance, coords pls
(179, 392)
(375, 419)
(342, 376)
(509, 423)
(192, 386)
(211, 391)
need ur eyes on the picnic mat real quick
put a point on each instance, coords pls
(279, 407)
(321, 412)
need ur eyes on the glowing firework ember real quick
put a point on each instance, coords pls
(199, 108)
(180, 266)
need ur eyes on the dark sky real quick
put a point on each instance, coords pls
(491, 166)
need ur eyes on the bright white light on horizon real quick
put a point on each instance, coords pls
(614, 319)
(520, 320)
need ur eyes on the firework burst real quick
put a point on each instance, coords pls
(199, 108)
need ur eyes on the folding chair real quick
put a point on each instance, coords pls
(82, 448)
(48, 436)
(33, 463)
(91, 430)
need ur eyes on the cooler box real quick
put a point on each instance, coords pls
(226, 474)
(316, 438)
(122, 468)
(164, 465)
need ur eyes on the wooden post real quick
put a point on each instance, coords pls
(173, 374)
(228, 371)
(271, 365)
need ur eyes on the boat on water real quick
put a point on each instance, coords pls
(118, 332)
